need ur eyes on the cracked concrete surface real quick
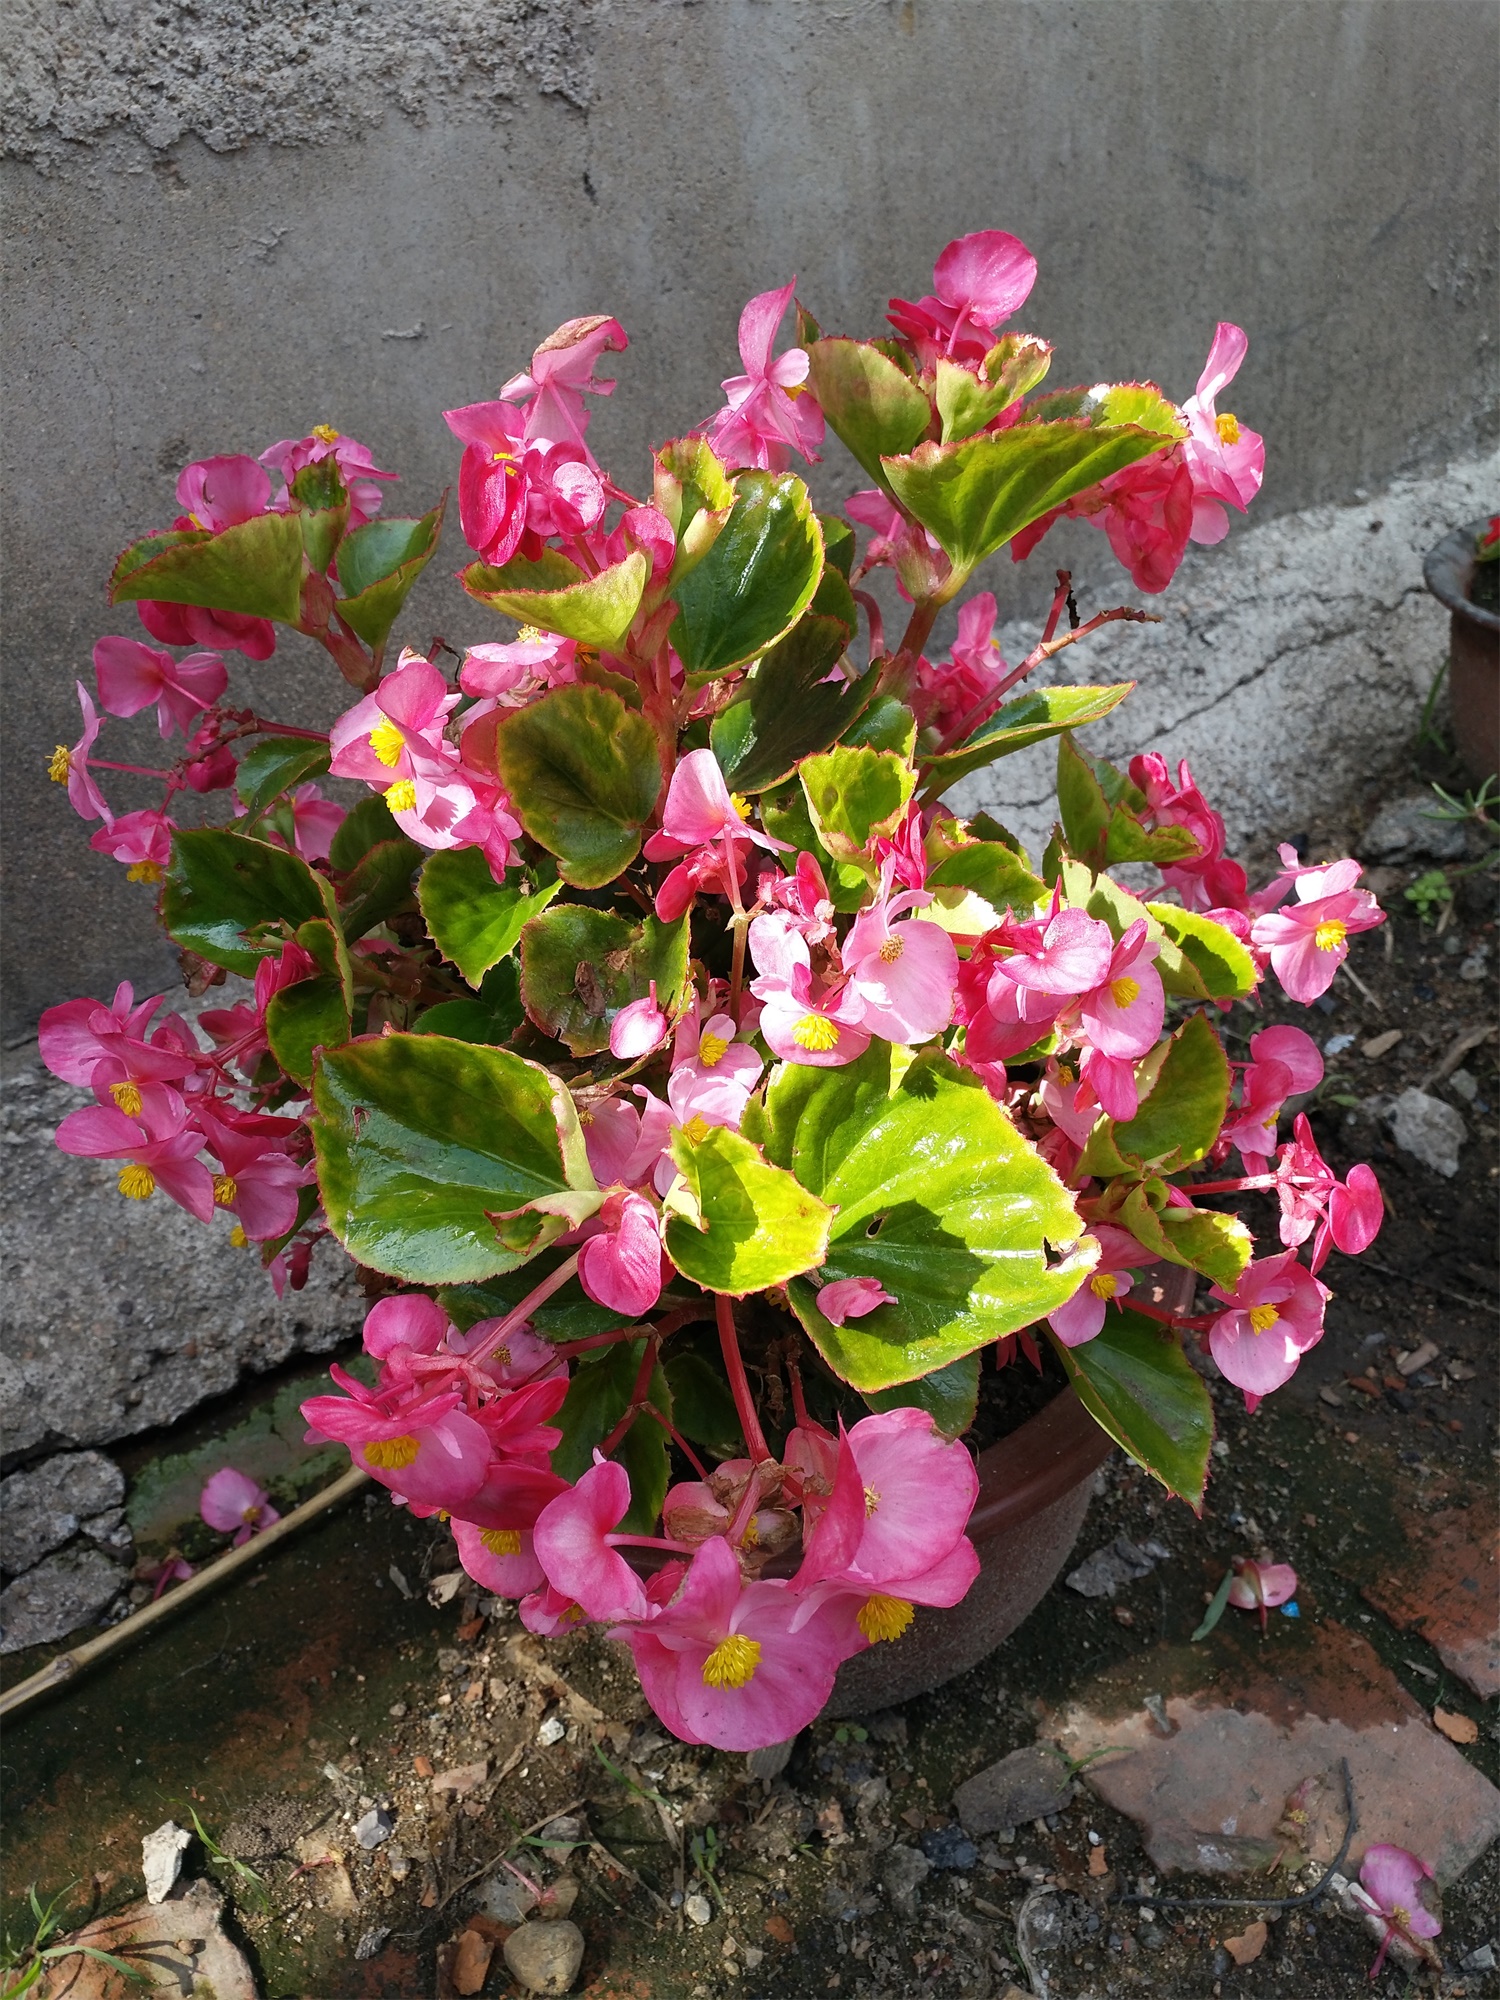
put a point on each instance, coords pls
(1291, 662)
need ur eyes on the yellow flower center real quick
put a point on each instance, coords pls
(711, 1050)
(136, 1183)
(144, 871)
(1104, 1285)
(816, 1033)
(1263, 1318)
(529, 635)
(391, 1454)
(697, 1128)
(502, 1541)
(740, 803)
(1330, 934)
(387, 742)
(238, 1238)
(402, 796)
(128, 1097)
(872, 1501)
(1228, 428)
(732, 1662)
(883, 1617)
(60, 764)
(226, 1187)
(1124, 990)
(892, 949)
(1401, 1915)
(325, 433)
(751, 1537)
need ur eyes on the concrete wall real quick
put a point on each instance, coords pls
(233, 221)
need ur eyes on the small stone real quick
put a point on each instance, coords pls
(553, 1730)
(462, 1779)
(1465, 1083)
(372, 1941)
(562, 1831)
(1382, 1044)
(1404, 831)
(1481, 1959)
(1248, 1945)
(1430, 1130)
(1418, 1358)
(470, 1962)
(377, 1825)
(545, 1957)
(505, 1899)
(903, 1872)
(161, 1859)
(1476, 964)
(397, 1711)
(697, 1908)
(181, 1949)
(949, 1847)
(561, 1896)
(1107, 1569)
(1026, 1785)
(64, 1592)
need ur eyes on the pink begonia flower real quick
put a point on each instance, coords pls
(699, 809)
(721, 1663)
(1275, 1315)
(904, 975)
(219, 493)
(1122, 1015)
(638, 1028)
(1227, 462)
(713, 1072)
(429, 1451)
(141, 840)
(1146, 510)
(162, 1154)
(131, 676)
(356, 463)
(76, 1035)
(315, 821)
(562, 374)
(769, 414)
(620, 1267)
(851, 1298)
(955, 696)
(915, 555)
(804, 896)
(408, 1321)
(1390, 1886)
(1207, 879)
(1307, 939)
(798, 1022)
(978, 282)
(1283, 1061)
(1347, 1215)
(70, 767)
(505, 675)
(258, 1183)
(513, 494)
(239, 1032)
(1082, 1317)
(1261, 1586)
(1069, 1101)
(173, 1570)
(232, 1500)
(575, 1545)
(397, 732)
(624, 1144)
(214, 772)
(193, 625)
(502, 1559)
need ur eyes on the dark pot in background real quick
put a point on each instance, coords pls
(1473, 652)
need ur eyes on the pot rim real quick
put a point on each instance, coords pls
(1448, 571)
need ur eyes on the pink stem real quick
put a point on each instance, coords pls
(1247, 1185)
(544, 1291)
(639, 1399)
(739, 1382)
(678, 1439)
(135, 770)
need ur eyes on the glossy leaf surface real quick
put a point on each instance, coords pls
(474, 920)
(254, 568)
(1030, 718)
(869, 400)
(757, 579)
(580, 966)
(555, 595)
(274, 765)
(584, 774)
(736, 1223)
(233, 900)
(1134, 1379)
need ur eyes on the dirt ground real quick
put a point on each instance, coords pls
(352, 1674)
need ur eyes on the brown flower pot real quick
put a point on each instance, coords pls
(1473, 652)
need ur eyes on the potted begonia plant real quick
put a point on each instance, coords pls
(701, 1097)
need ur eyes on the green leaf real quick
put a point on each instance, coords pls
(1217, 966)
(1218, 1246)
(274, 765)
(474, 920)
(555, 595)
(755, 582)
(379, 884)
(323, 939)
(492, 1018)
(855, 794)
(887, 724)
(221, 886)
(1081, 803)
(1100, 814)
(320, 501)
(1216, 1606)
(735, 1223)
(1030, 718)
(1135, 1380)
(378, 564)
(702, 1407)
(966, 402)
(365, 826)
(584, 773)
(254, 568)
(786, 817)
(580, 966)
(421, 1141)
(937, 1197)
(305, 1017)
(949, 1395)
(790, 708)
(877, 410)
(975, 495)
(1179, 1120)
(692, 489)
(1106, 406)
(597, 1398)
(838, 547)
(973, 887)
